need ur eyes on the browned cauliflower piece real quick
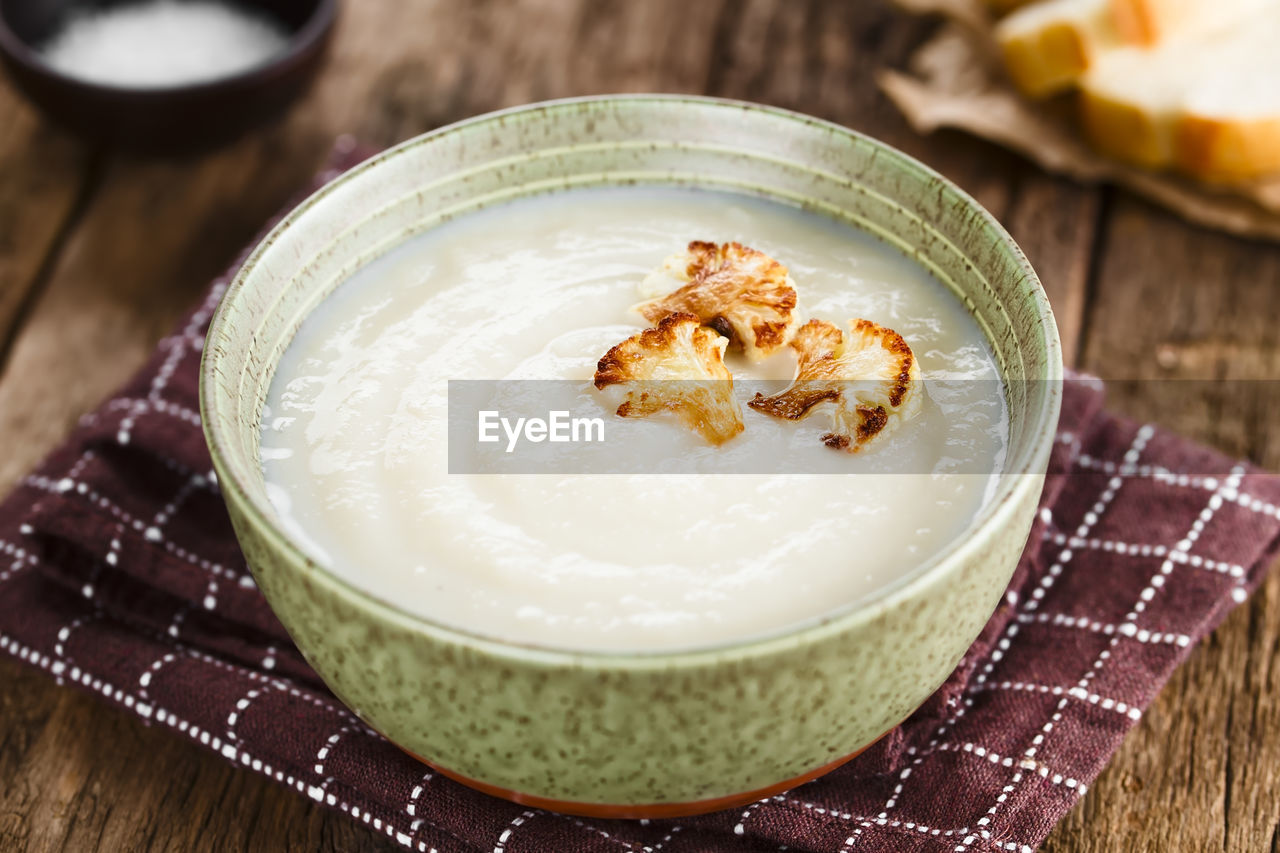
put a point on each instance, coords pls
(743, 294)
(677, 367)
(870, 382)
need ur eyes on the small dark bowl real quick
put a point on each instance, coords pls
(169, 118)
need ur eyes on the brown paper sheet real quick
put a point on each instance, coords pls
(956, 80)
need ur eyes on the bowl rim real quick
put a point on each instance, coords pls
(1007, 501)
(300, 43)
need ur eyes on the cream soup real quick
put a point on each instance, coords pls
(354, 437)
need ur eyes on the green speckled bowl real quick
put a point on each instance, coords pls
(640, 734)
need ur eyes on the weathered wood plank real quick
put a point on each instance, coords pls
(42, 173)
(1056, 223)
(123, 278)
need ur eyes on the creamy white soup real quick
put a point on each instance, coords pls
(354, 437)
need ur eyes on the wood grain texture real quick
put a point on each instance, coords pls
(42, 174)
(99, 254)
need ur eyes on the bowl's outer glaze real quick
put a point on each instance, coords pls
(640, 728)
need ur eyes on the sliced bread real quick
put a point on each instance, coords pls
(1049, 45)
(1209, 107)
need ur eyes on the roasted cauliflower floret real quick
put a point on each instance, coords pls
(869, 382)
(743, 294)
(677, 367)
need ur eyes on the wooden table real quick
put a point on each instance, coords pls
(99, 254)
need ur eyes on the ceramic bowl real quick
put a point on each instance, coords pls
(167, 118)
(635, 734)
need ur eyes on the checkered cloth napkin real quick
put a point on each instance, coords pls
(120, 575)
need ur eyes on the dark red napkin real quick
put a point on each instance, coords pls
(119, 574)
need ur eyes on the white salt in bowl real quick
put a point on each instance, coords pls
(159, 116)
